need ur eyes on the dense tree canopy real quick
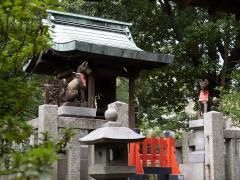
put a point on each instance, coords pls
(205, 45)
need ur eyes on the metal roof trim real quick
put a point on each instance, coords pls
(88, 26)
(113, 51)
(89, 17)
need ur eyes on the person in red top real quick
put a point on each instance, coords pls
(203, 97)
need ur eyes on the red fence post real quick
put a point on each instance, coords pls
(134, 157)
(153, 151)
(174, 164)
(144, 149)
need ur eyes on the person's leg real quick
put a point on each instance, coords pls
(205, 106)
(199, 109)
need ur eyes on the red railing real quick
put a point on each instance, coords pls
(155, 152)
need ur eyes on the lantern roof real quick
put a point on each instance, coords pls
(111, 134)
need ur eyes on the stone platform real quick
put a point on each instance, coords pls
(72, 111)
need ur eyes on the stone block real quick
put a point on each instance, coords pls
(197, 157)
(76, 111)
(178, 143)
(122, 110)
(33, 140)
(84, 169)
(196, 124)
(33, 123)
(178, 153)
(199, 140)
(192, 171)
(80, 123)
(84, 152)
(191, 139)
(231, 134)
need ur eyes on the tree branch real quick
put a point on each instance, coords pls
(168, 10)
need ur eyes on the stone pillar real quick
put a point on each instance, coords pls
(122, 110)
(90, 158)
(214, 146)
(84, 162)
(48, 121)
(74, 154)
(185, 148)
(232, 159)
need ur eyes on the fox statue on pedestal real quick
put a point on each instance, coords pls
(70, 92)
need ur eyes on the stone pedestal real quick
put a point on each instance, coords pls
(71, 111)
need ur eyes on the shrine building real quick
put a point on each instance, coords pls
(106, 45)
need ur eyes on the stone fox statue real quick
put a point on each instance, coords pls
(203, 97)
(75, 88)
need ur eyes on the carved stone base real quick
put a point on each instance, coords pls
(76, 111)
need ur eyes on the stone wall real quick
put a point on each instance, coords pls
(51, 118)
(209, 151)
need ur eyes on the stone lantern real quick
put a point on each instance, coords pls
(111, 149)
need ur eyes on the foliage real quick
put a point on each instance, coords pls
(35, 163)
(154, 124)
(22, 37)
(66, 135)
(205, 44)
(230, 101)
(122, 89)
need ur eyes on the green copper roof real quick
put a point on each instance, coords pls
(66, 27)
(91, 37)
